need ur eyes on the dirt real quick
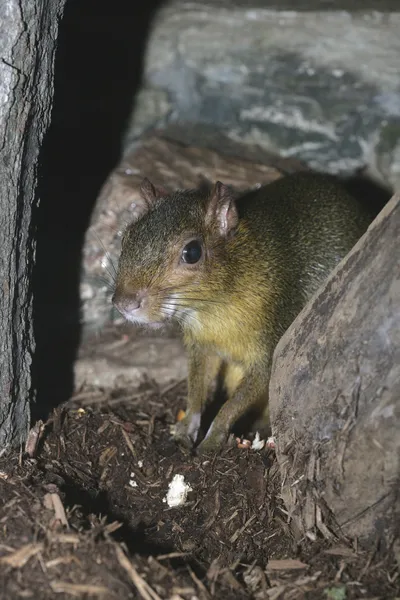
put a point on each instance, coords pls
(84, 515)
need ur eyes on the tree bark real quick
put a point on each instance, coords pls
(28, 33)
(335, 395)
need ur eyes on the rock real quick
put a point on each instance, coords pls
(319, 85)
(170, 165)
(334, 395)
(130, 356)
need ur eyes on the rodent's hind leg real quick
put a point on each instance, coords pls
(250, 395)
(233, 375)
(203, 370)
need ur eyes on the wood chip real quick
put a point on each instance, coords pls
(285, 564)
(112, 527)
(239, 532)
(128, 442)
(20, 557)
(78, 589)
(276, 592)
(199, 583)
(33, 438)
(103, 427)
(172, 555)
(107, 455)
(144, 589)
(53, 501)
(61, 560)
(321, 525)
(67, 538)
(341, 551)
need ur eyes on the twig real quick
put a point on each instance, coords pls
(199, 583)
(141, 585)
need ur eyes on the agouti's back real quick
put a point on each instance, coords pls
(303, 224)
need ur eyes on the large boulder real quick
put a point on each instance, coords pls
(301, 79)
(335, 395)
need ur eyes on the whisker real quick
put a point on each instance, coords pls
(107, 254)
(204, 300)
(121, 212)
(110, 280)
(118, 232)
(175, 314)
(109, 285)
(181, 296)
(109, 273)
(181, 305)
(216, 316)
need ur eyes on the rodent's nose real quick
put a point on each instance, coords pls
(126, 304)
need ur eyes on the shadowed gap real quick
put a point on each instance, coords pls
(98, 70)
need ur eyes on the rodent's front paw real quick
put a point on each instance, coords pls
(213, 442)
(186, 431)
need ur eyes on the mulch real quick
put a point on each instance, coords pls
(83, 515)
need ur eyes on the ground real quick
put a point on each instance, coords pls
(84, 515)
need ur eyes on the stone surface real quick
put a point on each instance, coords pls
(319, 85)
(28, 34)
(170, 165)
(126, 356)
(335, 394)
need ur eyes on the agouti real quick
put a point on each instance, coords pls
(234, 273)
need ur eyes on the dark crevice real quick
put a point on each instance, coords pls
(136, 538)
(370, 193)
(98, 70)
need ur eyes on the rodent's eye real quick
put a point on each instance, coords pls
(192, 252)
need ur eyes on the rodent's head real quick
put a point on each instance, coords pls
(169, 253)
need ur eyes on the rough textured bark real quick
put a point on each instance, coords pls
(28, 32)
(334, 395)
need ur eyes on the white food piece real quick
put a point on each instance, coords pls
(258, 444)
(132, 481)
(140, 464)
(178, 491)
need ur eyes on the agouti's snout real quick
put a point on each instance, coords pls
(136, 306)
(129, 304)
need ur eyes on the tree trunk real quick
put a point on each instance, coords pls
(28, 32)
(335, 395)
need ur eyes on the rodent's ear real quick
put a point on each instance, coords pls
(149, 192)
(222, 209)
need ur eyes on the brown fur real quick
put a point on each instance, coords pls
(264, 255)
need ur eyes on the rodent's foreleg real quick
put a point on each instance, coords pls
(202, 370)
(250, 395)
